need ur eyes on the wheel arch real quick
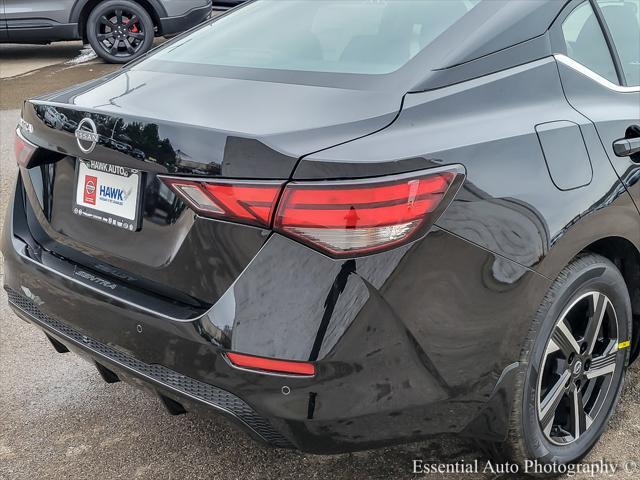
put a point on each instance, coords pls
(626, 256)
(82, 10)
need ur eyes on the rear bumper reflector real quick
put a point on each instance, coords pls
(271, 365)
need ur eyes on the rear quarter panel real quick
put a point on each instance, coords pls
(509, 203)
(448, 311)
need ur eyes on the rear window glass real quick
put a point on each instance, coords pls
(333, 36)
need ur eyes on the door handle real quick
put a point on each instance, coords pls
(626, 147)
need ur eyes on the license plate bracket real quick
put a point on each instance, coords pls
(108, 193)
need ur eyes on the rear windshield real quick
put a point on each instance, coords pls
(333, 36)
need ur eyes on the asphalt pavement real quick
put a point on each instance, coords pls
(20, 59)
(58, 419)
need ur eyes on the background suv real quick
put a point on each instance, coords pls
(118, 30)
(224, 4)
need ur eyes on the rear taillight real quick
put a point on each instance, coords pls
(23, 149)
(252, 203)
(346, 218)
(340, 218)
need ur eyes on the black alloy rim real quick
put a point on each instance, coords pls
(121, 33)
(578, 368)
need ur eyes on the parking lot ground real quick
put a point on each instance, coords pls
(43, 74)
(60, 420)
(20, 59)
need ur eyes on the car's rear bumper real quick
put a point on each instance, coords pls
(156, 345)
(166, 382)
(394, 364)
(181, 23)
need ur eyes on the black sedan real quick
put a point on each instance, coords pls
(348, 224)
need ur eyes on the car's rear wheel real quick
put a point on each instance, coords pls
(120, 30)
(575, 363)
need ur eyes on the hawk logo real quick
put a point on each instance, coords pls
(117, 195)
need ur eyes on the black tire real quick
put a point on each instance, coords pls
(527, 440)
(120, 30)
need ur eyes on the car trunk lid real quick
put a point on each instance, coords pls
(181, 126)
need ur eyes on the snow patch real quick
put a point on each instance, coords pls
(86, 55)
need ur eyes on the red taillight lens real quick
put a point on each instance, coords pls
(271, 365)
(345, 218)
(23, 149)
(341, 218)
(247, 202)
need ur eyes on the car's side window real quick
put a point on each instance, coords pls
(623, 19)
(586, 42)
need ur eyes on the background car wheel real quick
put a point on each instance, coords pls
(120, 30)
(574, 368)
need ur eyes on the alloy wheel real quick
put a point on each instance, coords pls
(577, 369)
(121, 33)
